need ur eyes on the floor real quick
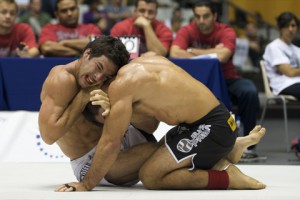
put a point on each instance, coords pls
(31, 179)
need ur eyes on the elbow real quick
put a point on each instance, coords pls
(223, 59)
(46, 49)
(47, 138)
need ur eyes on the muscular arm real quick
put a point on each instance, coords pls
(109, 145)
(62, 104)
(289, 71)
(56, 49)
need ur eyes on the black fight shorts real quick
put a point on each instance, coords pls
(207, 140)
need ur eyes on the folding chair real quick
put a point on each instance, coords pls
(282, 99)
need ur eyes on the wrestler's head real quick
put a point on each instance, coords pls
(101, 61)
(93, 113)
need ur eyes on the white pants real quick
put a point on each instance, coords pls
(81, 165)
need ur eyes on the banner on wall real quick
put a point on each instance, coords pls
(20, 140)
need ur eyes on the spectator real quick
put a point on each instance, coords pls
(15, 39)
(96, 16)
(205, 36)
(282, 58)
(155, 36)
(256, 44)
(22, 6)
(67, 38)
(116, 12)
(175, 22)
(35, 17)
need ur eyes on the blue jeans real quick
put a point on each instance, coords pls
(243, 93)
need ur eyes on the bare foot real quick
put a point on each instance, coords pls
(240, 181)
(242, 143)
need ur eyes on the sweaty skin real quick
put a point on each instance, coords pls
(151, 88)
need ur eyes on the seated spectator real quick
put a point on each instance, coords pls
(35, 17)
(282, 58)
(22, 6)
(15, 39)
(175, 22)
(96, 16)
(256, 44)
(116, 12)
(67, 38)
(155, 35)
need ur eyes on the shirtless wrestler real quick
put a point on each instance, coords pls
(204, 134)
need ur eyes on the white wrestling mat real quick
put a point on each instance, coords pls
(31, 170)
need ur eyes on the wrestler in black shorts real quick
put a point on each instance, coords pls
(207, 140)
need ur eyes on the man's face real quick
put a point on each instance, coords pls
(204, 19)
(67, 13)
(36, 6)
(147, 10)
(8, 15)
(289, 32)
(95, 71)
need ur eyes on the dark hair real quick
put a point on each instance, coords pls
(90, 111)
(285, 18)
(110, 47)
(57, 2)
(205, 3)
(147, 1)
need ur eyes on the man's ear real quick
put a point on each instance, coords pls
(87, 52)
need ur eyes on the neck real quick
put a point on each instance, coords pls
(286, 41)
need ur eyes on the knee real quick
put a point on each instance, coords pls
(149, 178)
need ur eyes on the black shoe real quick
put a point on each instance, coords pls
(251, 157)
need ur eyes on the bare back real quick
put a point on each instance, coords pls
(163, 90)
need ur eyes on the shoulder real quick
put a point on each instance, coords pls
(22, 26)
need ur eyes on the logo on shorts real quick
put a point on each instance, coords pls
(186, 145)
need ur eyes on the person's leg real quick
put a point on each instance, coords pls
(244, 93)
(292, 90)
(161, 171)
(241, 144)
(126, 168)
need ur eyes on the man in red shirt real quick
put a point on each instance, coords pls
(206, 36)
(15, 39)
(155, 36)
(67, 38)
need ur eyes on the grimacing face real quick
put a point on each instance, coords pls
(147, 10)
(95, 71)
(204, 19)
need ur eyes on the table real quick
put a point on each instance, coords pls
(21, 79)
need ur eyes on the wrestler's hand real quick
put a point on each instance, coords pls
(100, 98)
(71, 187)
